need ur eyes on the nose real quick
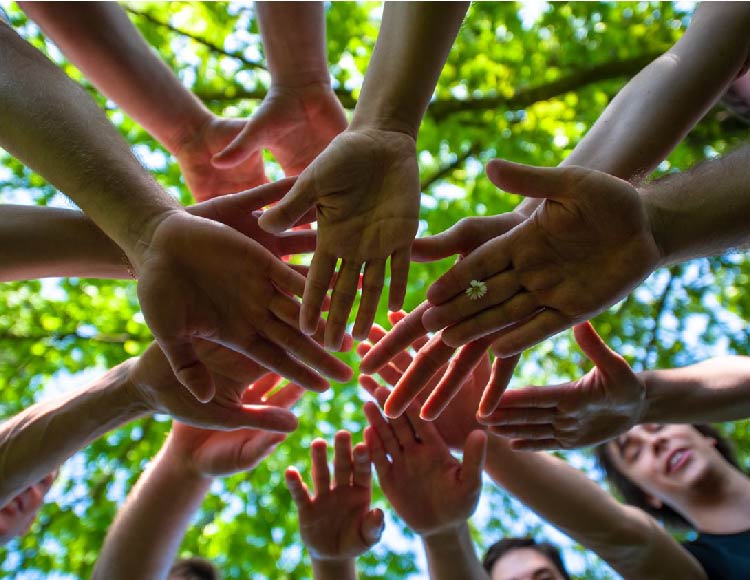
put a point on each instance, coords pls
(658, 444)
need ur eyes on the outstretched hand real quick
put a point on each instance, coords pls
(429, 489)
(584, 248)
(337, 523)
(365, 189)
(599, 406)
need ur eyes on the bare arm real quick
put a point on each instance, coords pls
(452, 554)
(625, 537)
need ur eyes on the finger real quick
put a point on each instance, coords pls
(528, 180)
(307, 218)
(372, 527)
(316, 289)
(291, 208)
(377, 332)
(286, 396)
(403, 428)
(399, 278)
(306, 350)
(527, 431)
(319, 459)
(424, 431)
(459, 370)
(377, 452)
(260, 388)
(342, 458)
(381, 395)
(277, 360)
(382, 428)
(372, 288)
(475, 453)
(297, 488)
(252, 200)
(426, 363)
(436, 247)
(287, 309)
(396, 316)
(369, 384)
(298, 242)
(256, 448)
(502, 373)
(535, 444)
(342, 298)
(263, 417)
(499, 288)
(540, 326)
(362, 469)
(538, 397)
(391, 372)
(397, 340)
(518, 308)
(248, 141)
(188, 369)
(607, 360)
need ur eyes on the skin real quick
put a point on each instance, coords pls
(336, 523)
(524, 564)
(18, 515)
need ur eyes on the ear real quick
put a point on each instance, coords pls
(654, 502)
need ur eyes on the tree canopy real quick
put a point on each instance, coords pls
(523, 82)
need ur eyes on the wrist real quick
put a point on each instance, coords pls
(179, 462)
(653, 402)
(190, 125)
(657, 222)
(446, 535)
(340, 569)
(143, 235)
(383, 120)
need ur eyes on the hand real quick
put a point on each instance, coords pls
(17, 516)
(158, 389)
(584, 248)
(240, 211)
(209, 453)
(294, 123)
(201, 279)
(365, 188)
(606, 402)
(429, 489)
(337, 524)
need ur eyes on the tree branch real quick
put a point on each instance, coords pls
(120, 338)
(450, 167)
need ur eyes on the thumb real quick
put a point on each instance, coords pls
(475, 452)
(529, 181)
(188, 368)
(595, 348)
(248, 141)
(436, 247)
(246, 202)
(294, 205)
(372, 527)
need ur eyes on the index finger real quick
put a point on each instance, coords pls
(401, 336)
(495, 392)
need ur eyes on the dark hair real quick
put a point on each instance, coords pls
(499, 549)
(634, 495)
(193, 569)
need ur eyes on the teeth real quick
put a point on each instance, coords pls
(675, 459)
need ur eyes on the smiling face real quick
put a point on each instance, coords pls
(17, 515)
(524, 564)
(671, 463)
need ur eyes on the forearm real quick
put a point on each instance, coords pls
(701, 212)
(450, 554)
(334, 569)
(149, 526)
(294, 42)
(626, 538)
(62, 134)
(40, 242)
(715, 390)
(100, 39)
(39, 439)
(413, 44)
(658, 107)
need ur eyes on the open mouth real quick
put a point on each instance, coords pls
(678, 459)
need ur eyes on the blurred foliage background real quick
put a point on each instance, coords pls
(523, 82)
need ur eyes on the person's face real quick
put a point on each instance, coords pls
(18, 514)
(666, 461)
(524, 564)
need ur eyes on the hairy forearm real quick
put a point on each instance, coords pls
(52, 125)
(715, 390)
(413, 44)
(99, 39)
(39, 439)
(334, 569)
(658, 107)
(149, 526)
(450, 554)
(626, 538)
(40, 242)
(294, 42)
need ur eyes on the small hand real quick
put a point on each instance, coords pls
(202, 279)
(584, 248)
(604, 403)
(18, 515)
(211, 453)
(160, 391)
(365, 189)
(294, 123)
(337, 524)
(429, 489)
